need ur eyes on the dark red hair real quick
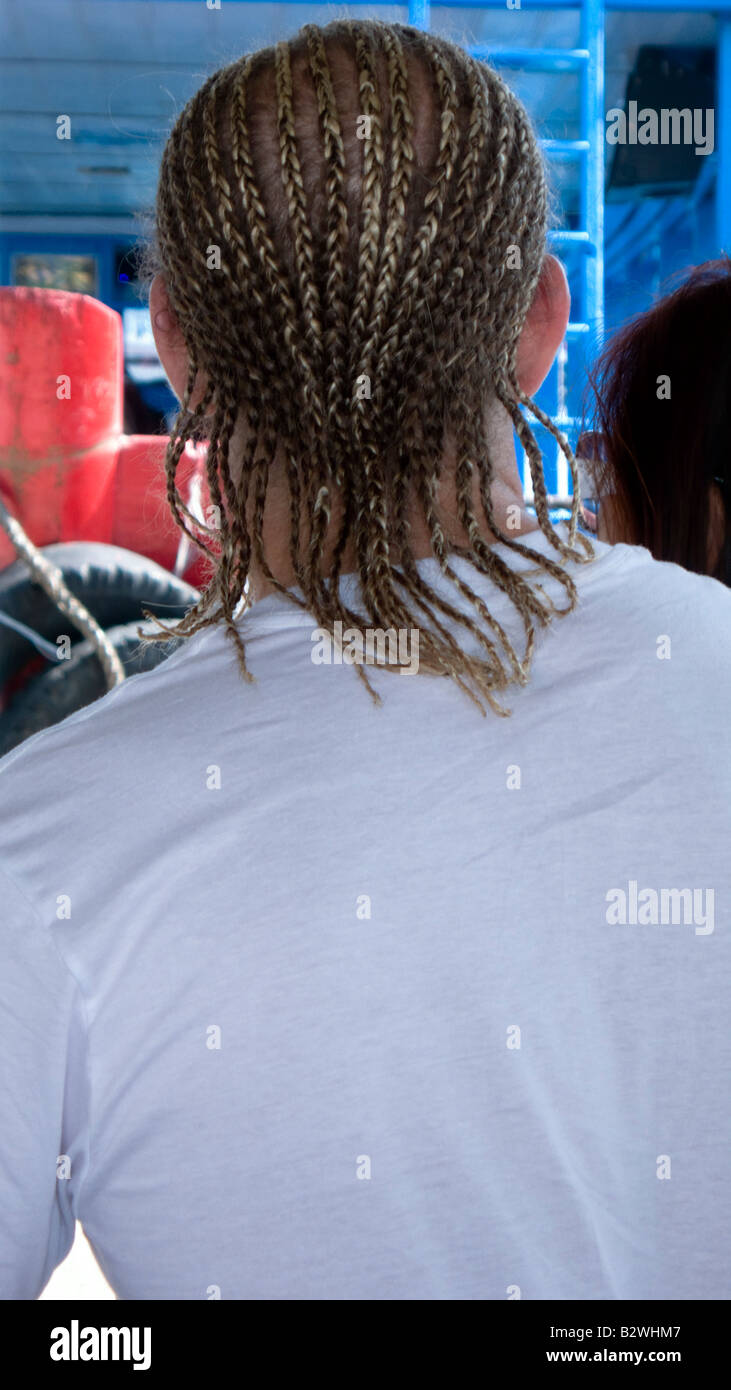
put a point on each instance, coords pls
(661, 457)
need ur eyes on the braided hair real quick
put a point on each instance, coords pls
(334, 221)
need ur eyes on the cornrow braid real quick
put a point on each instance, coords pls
(346, 302)
(369, 251)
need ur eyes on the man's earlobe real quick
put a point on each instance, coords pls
(161, 313)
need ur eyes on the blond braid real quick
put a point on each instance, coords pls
(368, 259)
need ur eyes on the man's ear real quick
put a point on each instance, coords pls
(170, 343)
(544, 327)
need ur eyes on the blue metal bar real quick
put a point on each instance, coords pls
(419, 14)
(565, 149)
(723, 135)
(593, 129)
(580, 240)
(532, 59)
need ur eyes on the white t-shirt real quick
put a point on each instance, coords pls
(304, 998)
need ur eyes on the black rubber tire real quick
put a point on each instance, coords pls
(76, 682)
(114, 584)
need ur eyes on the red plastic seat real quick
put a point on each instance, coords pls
(67, 472)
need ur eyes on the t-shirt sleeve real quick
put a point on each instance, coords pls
(43, 1098)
